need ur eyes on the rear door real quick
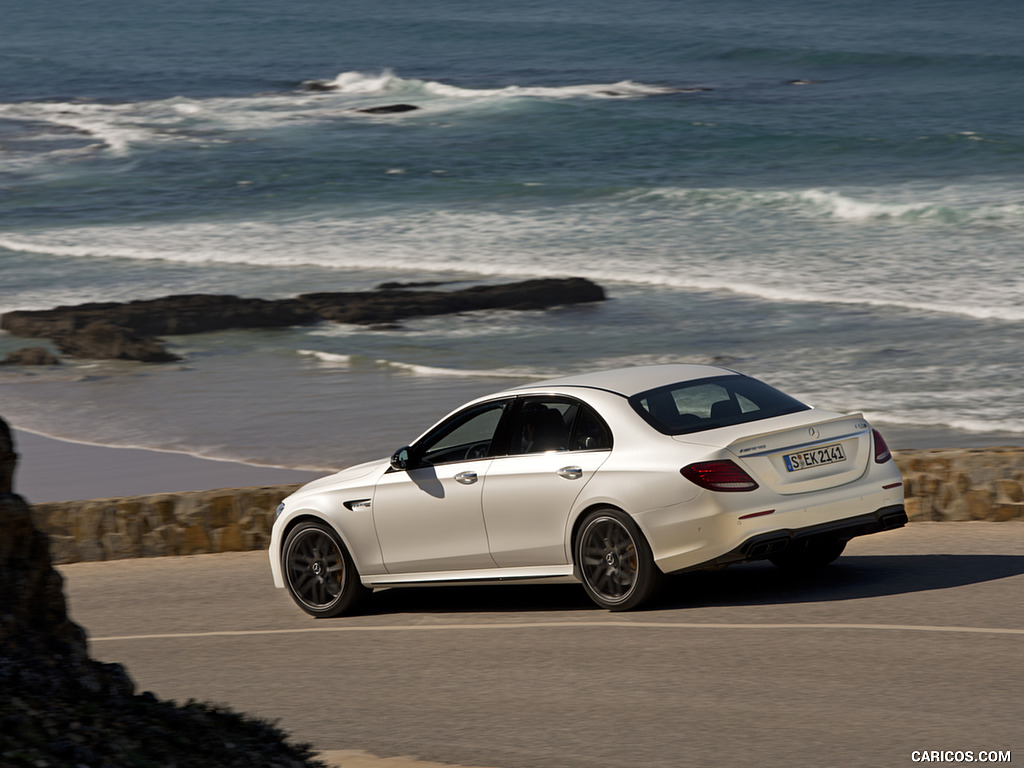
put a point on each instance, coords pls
(556, 446)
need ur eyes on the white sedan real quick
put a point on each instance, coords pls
(611, 479)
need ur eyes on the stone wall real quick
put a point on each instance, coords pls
(982, 484)
(967, 484)
(199, 522)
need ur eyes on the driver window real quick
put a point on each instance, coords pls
(465, 436)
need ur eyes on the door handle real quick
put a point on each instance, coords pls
(466, 478)
(570, 473)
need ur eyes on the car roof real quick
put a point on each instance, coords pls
(631, 381)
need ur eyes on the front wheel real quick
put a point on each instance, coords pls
(614, 561)
(319, 572)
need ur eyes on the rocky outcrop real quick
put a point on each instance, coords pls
(393, 305)
(61, 708)
(168, 315)
(129, 331)
(105, 341)
(32, 610)
(8, 459)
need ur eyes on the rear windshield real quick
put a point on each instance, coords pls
(721, 401)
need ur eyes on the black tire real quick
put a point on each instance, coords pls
(809, 555)
(614, 561)
(319, 572)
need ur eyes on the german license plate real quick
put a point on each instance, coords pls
(815, 457)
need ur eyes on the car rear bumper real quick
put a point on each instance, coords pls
(772, 543)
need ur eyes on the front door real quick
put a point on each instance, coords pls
(429, 517)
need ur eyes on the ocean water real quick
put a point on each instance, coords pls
(828, 196)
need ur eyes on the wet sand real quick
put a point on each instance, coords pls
(59, 470)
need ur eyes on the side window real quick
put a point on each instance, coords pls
(467, 435)
(542, 425)
(557, 424)
(590, 433)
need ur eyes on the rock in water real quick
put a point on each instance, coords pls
(388, 109)
(116, 331)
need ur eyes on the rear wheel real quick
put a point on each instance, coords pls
(614, 561)
(319, 572)
(809, 555)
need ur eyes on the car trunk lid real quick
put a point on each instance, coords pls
(800, 452)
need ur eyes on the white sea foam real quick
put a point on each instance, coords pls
(957, 206)
(921, 293)
(844, 207)
(329, 358)
(118, 128)
(114, 126)
(387, 83)
(696, 240)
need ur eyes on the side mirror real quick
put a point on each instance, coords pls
(400, 459)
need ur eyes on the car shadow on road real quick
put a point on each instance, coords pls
(503, 598)
(849, 578)
(760, 583)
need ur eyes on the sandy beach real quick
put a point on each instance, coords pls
(59, 470)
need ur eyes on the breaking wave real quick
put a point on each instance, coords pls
(119, 127)
(729, 241)
(387, 83)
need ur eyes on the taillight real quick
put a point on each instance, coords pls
(722, 475)
(882, 452)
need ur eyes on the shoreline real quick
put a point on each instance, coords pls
(51, 469)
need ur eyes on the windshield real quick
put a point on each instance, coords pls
(721, 401)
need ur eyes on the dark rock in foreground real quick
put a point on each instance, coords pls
(127, 331)
(59, 707)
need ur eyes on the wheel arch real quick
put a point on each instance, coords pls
(581, 515)
(311, 516)
(320, 572)
(644, 575)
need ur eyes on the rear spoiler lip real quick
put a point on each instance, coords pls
(812, 444)
(817, 418)
(862, 427)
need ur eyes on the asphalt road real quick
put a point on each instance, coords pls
(913, 640)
